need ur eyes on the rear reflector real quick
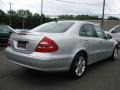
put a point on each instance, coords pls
(46, 45)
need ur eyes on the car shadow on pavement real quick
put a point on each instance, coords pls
(34, 76)
(2, 48)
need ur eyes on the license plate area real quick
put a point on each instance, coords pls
(22, 44)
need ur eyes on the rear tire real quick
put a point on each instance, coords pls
(114, 56)
(78, 65)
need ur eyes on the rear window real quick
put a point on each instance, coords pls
(58, 27)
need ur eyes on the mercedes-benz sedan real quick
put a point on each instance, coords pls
(61, 46)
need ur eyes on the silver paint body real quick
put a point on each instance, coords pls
(69, 43)
(116, 36)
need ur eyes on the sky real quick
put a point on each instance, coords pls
(55, 7)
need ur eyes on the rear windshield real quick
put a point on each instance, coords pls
(58, 27)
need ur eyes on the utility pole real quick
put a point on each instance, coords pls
(41, 11)
(23, 23)
(10, 14)
(103, 13)
(24, 17)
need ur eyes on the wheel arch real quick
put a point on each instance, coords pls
(83, 51)
(72, 67)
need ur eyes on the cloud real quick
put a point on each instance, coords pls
(54, 7)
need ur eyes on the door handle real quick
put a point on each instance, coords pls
(86, 41)
(101, 42)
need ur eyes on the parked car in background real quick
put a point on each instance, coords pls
(5, 32)
(62, 45)
(115, 33)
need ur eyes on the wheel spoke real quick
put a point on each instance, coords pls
(80, 66)
(115, 54)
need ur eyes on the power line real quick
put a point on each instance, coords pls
(103, 11)
(82, 14)
(80, 3)
(61, 10)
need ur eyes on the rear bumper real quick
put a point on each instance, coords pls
(39, 61)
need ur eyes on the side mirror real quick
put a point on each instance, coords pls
(108, 36)
(114, 31)
(10, 32)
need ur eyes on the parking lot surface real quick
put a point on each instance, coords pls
(104, 75)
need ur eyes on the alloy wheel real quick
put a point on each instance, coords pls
(80, 66)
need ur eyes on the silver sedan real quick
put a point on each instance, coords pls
(61, 46)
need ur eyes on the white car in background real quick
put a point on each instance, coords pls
(115, 33)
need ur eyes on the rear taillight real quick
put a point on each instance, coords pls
(46, 45)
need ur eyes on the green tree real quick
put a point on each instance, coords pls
(22, 16)
(24, 13)
(2, 17)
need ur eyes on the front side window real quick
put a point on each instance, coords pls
(99, 32)
(56, 27)
(89, 29)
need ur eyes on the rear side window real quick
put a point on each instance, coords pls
(82, 31)
(59, 27)
(89, 31)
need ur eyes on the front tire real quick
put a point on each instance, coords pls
(115, 54)
(78, 66)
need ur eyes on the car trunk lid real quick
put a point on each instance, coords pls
(25, 42)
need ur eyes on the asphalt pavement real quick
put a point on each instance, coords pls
(104, 75)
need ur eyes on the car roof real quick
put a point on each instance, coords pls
(77, 21)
